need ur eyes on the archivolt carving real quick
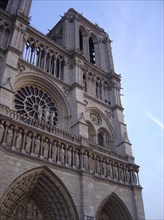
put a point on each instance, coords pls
(112, 207)
(41, 188)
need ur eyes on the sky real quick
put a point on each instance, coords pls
(136, 29)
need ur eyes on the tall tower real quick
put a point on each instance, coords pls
(65, 152)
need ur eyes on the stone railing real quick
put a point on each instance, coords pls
(62, 149)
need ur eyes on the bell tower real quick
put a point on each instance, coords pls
(90, 47)
(64, 145)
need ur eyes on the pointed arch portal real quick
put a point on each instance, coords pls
(38, 194)
(113, 208)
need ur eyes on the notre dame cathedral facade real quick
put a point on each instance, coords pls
(64, 148)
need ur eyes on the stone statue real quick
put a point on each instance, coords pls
(39, 112)
(52, 115)
(86, 162)
(122, 176)
(69, 157)
(46, 148)
(134, 178)
(46, 113)
(28, 141)
(104, 169)
(127, 176)
(37, 146)
(91, 164)
(115, 170)
(77, 159)
(54, 151)
(1, 130)
(62, 155)
(18, 140)
(110, 172)
(98, 167)
(9, 136)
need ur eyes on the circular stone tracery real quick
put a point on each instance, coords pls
(34, 102)
(95, 118)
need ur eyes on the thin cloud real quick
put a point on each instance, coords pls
(153, 118)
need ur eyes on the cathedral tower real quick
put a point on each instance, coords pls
(65, 152)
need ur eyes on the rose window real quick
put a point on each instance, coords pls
(33, 102)
(95, 118)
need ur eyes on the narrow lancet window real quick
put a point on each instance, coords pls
(91, 51)
(81, 41)
(3, 4)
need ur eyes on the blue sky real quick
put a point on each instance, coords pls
(136, 29)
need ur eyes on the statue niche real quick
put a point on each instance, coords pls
(27, 211)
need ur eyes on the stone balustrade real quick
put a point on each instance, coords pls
(61, 148)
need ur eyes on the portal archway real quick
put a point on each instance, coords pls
(38, 194)
(113, 208)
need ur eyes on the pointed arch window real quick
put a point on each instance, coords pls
(91, 51)
(3, 4)
(80, 41)
(101, 139)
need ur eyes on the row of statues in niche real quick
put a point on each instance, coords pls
(53, 151)
(27, 211)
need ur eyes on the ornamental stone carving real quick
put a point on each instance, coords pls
(28, 142)
(9, 136)
(77, 162)
(18, 140)
(69, 156)
(37, 146)
(34, 102)
(54, 151)
(46, 149)
(95, 118)
(1, 130)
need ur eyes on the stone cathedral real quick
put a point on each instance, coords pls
(64, 148)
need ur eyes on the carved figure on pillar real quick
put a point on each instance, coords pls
(127, 175)
(134, 177)
(110, 172)
(115, 170)
(37, 146)
(122, 174)
(77, 162)
(104, 169)
(46, 149)
(86, 162)
(91, 164)
(9, 136)
(1, 130)
(18, 139)
(69, 156)
(62, 154)
(98, 167)
(28, 142)
(54, 151)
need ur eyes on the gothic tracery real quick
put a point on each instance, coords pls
(34, 102)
